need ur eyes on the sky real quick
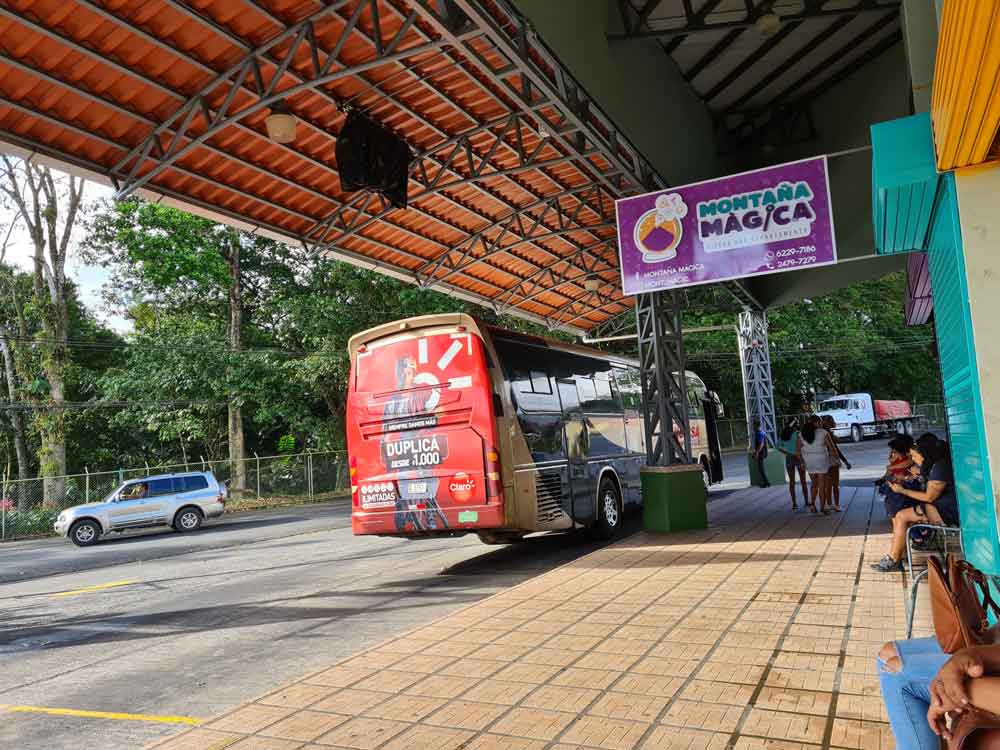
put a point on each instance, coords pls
(90, 279)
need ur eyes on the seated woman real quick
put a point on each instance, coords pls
(969, 677)
(905, 672)
(935, 505)
(920, 684)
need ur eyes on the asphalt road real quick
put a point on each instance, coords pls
(166, 625)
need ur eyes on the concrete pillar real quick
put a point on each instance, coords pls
(920, 34)
(755, 356)
(977, 189)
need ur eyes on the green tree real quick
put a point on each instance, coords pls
(48, 205)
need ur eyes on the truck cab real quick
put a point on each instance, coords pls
(852, 412)
(858, 416)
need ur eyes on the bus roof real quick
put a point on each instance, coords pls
(484, 330)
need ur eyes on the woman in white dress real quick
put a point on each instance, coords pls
(816, 451)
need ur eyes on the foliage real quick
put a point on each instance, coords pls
(30, 522)
(854, 339)
(176, 372)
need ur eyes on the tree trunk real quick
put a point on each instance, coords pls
(52, 422)
(237, 446)
(16, 418)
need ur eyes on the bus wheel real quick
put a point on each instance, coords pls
(609, 510)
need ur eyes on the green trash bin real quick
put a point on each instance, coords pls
(674, 498)
(774, 465)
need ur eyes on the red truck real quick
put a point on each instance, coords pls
(858, 416)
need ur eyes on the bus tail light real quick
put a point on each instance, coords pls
(355, 499)
(494, 482)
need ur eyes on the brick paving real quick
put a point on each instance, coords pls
(756, 634)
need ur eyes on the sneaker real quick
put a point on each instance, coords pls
(888, 565)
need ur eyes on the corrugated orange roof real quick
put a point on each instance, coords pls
(512, 188)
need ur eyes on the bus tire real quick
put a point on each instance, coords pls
(856, 434)
(609, 509)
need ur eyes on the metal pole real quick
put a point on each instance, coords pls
(309, 489)
(86, 485)
(663, 373)
(258, 473)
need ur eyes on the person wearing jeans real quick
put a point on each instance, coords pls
(905, 672)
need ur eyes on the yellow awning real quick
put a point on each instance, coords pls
(965, 107)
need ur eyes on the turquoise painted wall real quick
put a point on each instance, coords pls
(960, 376)
(635, 83)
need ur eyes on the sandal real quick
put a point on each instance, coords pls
(836, 509)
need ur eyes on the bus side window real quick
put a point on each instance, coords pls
(533, 391)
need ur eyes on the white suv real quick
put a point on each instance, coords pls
(183, 501)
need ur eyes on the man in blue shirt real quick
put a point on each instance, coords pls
(760, 451)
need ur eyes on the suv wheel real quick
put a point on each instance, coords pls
(609, 510)
(188, 519)
(84, 533)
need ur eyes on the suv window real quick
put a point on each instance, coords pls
(134, 491)
(190, 484)
(160, 487)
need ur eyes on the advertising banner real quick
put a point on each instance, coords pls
(769, 220)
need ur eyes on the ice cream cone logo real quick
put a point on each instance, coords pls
(658, 231)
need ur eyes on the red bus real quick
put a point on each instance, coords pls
(455, 427)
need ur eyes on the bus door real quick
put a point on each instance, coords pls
(575, 431)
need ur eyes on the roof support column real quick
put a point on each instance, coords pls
(755, 357)
(661, 369)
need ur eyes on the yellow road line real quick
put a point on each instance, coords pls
(98, 587)
(101, 714)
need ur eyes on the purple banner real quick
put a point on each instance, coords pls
(766, 221)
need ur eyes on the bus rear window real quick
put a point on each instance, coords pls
(422, 366)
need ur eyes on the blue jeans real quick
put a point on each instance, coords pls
(907, 692)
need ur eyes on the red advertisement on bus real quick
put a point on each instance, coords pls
(421, 435)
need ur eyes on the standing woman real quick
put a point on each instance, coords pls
(789, 445)
(838, 458)
(814, 451)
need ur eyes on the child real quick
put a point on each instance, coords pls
(834, 473)
(901, 470)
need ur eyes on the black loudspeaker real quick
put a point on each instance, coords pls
(370, 156)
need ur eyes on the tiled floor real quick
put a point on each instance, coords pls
(757, 634)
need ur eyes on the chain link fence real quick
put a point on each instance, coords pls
(29, 507)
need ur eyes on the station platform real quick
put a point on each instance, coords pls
(758, 633)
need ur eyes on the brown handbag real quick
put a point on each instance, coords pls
(958, 611)
(974, 729)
